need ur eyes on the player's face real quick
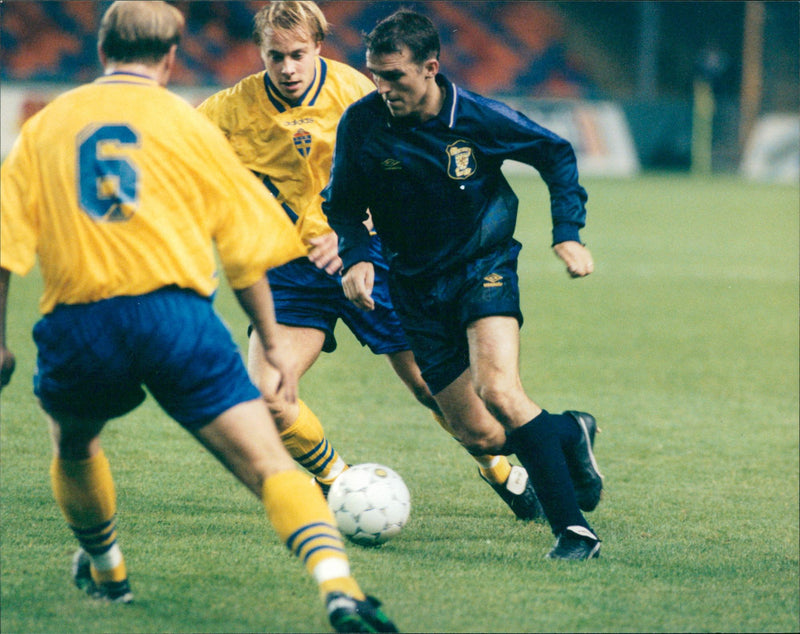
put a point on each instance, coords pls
(289, 57)
(409, 89)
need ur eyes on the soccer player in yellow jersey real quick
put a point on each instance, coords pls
(282, 124)
(121, 189)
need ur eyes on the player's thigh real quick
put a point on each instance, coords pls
(187, 357)
(84, 367)
(305, 344)
(307, 298)
(494, 351)
(245, 440)
(468, 417)
(494, 361)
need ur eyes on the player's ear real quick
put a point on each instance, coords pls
(431, 67)
(169, 64)
(102, 56)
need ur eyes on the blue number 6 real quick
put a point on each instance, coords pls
(108, 184)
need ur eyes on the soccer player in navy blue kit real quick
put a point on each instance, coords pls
(424, 157)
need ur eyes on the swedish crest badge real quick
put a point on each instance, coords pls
(302, 141)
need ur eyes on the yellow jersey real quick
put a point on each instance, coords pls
(289, 147)
(120, 188)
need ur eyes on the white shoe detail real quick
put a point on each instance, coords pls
(582, 531)
(517, 480)
(585, 431)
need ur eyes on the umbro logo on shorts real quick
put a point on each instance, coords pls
(391, 164)
(492, 280)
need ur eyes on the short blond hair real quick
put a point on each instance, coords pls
(139, 31)
(290, 15)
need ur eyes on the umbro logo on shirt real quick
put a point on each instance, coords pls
(492, 280)
(390, 164)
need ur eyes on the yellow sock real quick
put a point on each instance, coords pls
(304, 522)
(496, 469)
(305, 441)
(84, 490)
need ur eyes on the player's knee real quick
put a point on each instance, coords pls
(488, 442)
(283, 412)
(499, 398)
(424, 396)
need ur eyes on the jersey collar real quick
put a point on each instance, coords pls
(309, 97)
(447, 115)
(121, 77)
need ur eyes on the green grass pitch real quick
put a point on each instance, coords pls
(684, 344)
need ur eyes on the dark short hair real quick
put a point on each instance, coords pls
(139, 31)
(404, 28)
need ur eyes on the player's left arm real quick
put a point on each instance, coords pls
(576, 257)
(521, 139)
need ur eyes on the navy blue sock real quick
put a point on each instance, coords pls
(539, 446)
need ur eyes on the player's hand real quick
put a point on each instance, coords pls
(284, 381)
(324, 253)
(357, 284)
(577, 258)
(7, 364)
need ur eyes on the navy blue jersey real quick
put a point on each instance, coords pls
(435, 189)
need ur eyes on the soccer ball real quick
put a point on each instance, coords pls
(370, 502)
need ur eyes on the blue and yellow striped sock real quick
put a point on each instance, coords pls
(84, 490)
(305, 441)
(304, 522)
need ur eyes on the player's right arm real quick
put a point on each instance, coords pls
(18, 235)
(357, 284)
(344, 198)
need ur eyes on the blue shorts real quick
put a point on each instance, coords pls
(94, 358)
(435, 312)
(308, 297)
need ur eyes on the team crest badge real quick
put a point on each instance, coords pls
(460, 160)
(302, 141)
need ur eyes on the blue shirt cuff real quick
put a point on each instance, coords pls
(566, 232)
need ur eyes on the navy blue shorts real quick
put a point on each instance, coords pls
(94, 358)
(435, 312)
(308, 297)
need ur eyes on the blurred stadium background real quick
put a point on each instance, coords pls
(712, 87)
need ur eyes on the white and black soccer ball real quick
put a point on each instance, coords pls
(370, 502)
